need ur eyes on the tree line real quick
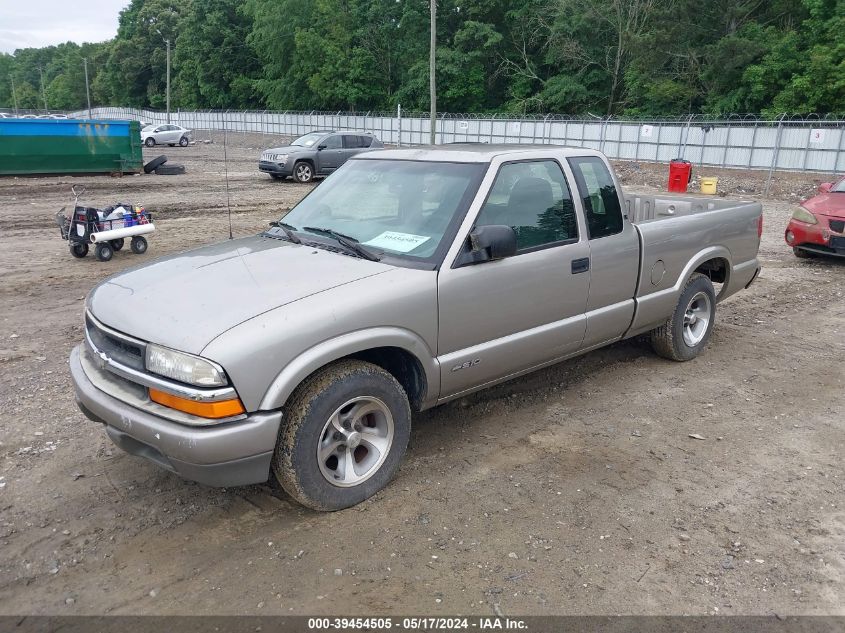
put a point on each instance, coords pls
(638, 58)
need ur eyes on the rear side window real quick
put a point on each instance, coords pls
(332, 142)
(366, 141)
(351, 141)
(598, 192)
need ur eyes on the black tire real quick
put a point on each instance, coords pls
(277, 177)
(103, 251)
(303, 172)
(307, 423)
(170, 169)
(78, 249)
(150, 142)
(117, 244)
(154, 164)
(800, 253)
(138, 245)
(183, 142)
(669, 340)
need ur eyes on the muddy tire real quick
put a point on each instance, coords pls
(154, 164)
(688, 330)
(138, 245)
(345, 431)
(78, 249)
(117, 244)
(800, 253)
(103, 251)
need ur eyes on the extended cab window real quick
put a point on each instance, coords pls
(598, 191)
(532, 198)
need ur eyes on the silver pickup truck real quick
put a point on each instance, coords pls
(407, 279)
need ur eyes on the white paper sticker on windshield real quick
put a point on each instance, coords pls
(399, 242)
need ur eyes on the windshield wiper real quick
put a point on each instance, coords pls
(347, 241)
(288, 231)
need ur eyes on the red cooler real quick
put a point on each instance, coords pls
(680, 174)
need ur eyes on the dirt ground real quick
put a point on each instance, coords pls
(575, 490)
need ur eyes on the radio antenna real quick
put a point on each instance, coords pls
(226, 172)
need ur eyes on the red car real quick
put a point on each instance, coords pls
(817, 226)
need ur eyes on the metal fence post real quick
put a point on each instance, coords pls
(491, 128)
(838, 151)
(775, 152)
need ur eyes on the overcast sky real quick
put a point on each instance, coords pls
(35, 23)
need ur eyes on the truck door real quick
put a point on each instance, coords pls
(614, 251)
(501, 317)
(331, 156)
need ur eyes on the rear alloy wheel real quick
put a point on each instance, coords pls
(303, 172)
(687, 331)
(183, 142)
(150, 142)
(346, 429)
(103, 251)
(78, 249)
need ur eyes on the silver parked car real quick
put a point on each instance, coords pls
(409, 278)
(165, 135)
(315, 154)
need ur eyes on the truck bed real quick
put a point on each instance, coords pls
(682, 234)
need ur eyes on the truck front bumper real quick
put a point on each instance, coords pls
(231, 454)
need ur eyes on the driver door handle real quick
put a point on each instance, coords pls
(581, 265)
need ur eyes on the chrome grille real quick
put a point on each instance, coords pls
(123, 349)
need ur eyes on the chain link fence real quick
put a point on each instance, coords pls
(813, 144)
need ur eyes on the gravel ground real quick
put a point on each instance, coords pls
(575, 490)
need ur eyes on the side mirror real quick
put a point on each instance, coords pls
(320, 148)
(496, 241)
(825, 187)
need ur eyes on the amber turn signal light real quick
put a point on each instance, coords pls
(213, 410)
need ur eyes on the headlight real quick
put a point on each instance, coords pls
(184, 367)
(802, 215)
(282, 158)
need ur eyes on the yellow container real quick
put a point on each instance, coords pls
(708, 185)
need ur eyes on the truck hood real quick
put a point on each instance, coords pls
(184, 301)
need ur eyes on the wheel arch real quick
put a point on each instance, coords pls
(400, 352)
(653, 308)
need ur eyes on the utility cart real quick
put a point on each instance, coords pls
(107, 229)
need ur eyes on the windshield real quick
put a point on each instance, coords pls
(148, 128)
(392, 207)
(309, 139)
(839, 187)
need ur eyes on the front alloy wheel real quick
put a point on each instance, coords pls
(303, 172)
(355, 441)
(345, 430)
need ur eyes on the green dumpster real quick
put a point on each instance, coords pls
(69, 146)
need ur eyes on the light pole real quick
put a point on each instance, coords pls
(43, 92)
(432, 85)
(87, 92)
(14, 94)
(167, 44)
